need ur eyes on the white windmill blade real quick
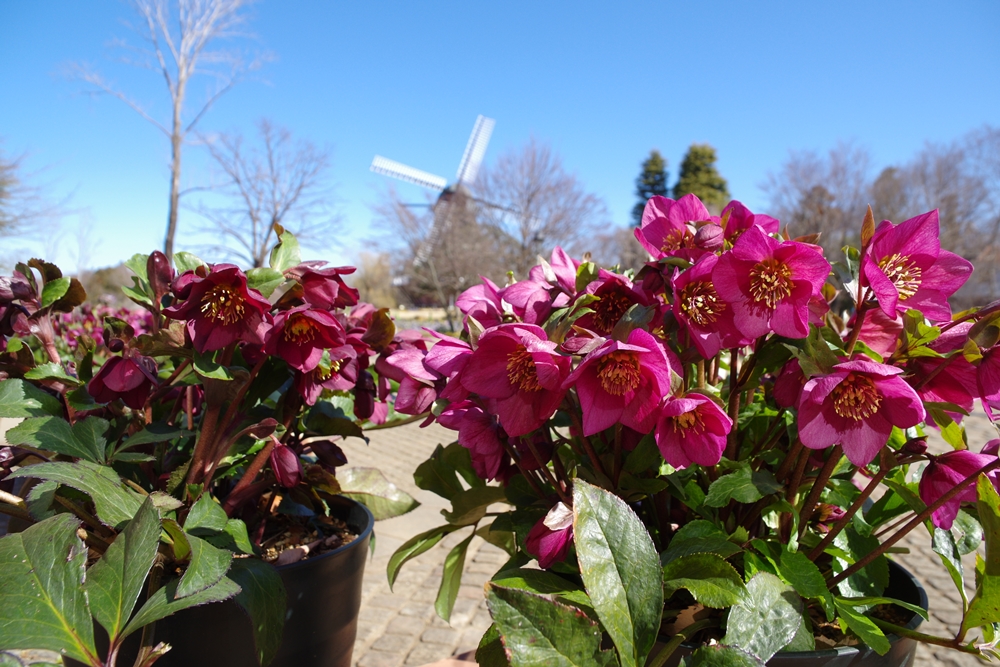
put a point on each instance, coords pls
(475, 150)
(387, 167)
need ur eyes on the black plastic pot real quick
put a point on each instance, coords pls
(902, 586)
(324, 596)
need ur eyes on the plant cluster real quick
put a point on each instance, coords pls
(159, 455)
(722, 447)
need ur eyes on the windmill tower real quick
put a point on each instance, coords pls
(454, 201)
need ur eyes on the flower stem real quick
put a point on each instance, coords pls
(859, 319)
(548, 473)
(849, 514)
(925, 638)
(913, 523)
(251, 473)
(732, 444)
(817, 488)
(527, 473)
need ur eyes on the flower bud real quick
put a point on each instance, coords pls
(286, 466)
(115, 345)
(364, 395)
(915, 446)
(159, 273)
(709, 237)
(264, 428)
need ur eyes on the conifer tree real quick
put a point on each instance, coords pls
(652, 181)
(698, 175)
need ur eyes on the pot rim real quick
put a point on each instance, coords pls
(362, 537)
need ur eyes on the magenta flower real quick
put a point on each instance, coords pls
(550, 538)
(692, 429)
(737, 218)
(668, 227)
(788, 384)
(770, 284)
(340, 374)
(518, 367)
(947, 471)
(703, 314)
(482, 303)
(956, 383)
(906, 268)
(128, 378)
(448, 357)
(300, 335)
(856, 406)
(418, 385)
(220, 308)
(324, 288)
(560, 272)
(480, 433)
(622, 382)
(879, 331)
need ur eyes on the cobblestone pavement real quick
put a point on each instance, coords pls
(400, 627)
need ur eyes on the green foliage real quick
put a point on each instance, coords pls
(766, 619)
(709, 578)
(369, 487)
(699, 176)
(651, 182)
(262, 597)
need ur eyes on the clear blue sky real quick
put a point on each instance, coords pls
(602, 82)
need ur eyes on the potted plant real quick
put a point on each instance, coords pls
(172, 457)
(720, 449)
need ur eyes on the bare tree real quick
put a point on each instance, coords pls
(374, 279)
(26, 203)
(539, 205)
(177, 35)
(278, 181)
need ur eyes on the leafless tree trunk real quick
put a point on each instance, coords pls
(279, 181)
(177, 34)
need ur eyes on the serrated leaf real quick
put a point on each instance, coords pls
(871, 602)
(164, 602)
(234, 538)
(54, 434)
(698, 536)
(22, 399)
(538, 631)
(709, 578)
(264, 280)
(721, 656)
(469, 506)
(115, 502)
(54, 290)
(369, 487)
(620, 570)
(262, 596)
(412, 548)
(115, 581)
(208, 565)
(984, 608)
(156, 432)
(451, 579)
(41, 590)
(490, 652)
(52, 371)
(206, 517)
(738, 485)
(766, 619)
(803, 575)
(862, 627)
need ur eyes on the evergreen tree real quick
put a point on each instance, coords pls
(699, 176)
(650, 183)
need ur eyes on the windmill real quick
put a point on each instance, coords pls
(453, 200)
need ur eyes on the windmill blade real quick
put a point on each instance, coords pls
(387, 167)
(475, 150)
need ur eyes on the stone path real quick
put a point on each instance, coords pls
(399, 627)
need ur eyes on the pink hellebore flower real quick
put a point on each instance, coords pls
(879, 331)
(220, 308)
(480, 433)
(448, 357)
(622, 382)
(615, 295)
(737, 218)
(417, 383)
(518, 367)
(128, 378)
(947, 471)
(706, 317)
(324, 288)
(770, 283)
(549, 539)
(300, 335)
(906, 268)
(340, 375)
(856, 406)
(956, 382)
(692, 429)
(668, 227)
(560, 273)
(788, 384)
(482, 303)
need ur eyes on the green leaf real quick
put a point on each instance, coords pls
(54, 290)
(709, 578)
(766, 619)
(804, 639)
(264, 280)
(23, 399)
(40, 500)
(943, 543)
(184, 261)
(52, 371)
(871, 602)
(412, 548)
(156, 432)
(206, 517)
(233, 537)
(538, 631)
(545, 583)
(137, 264)
(54, 434)
(115, 581)
(699, 536)
(180, 544)
(985, 605)
(862, 627)
(620, 570)
(328, 419)
(41, 590)
(205, 367)
(451, 579)
(369, 487)
(262, 596)
(870, 580)
(741, 485)
(164, 602)
(803, 575)
(92, 432)
(470, 505)
(208, 565)
(436, 476)
(721, 656)
(490, 652)
(115, 502)
(286, 254)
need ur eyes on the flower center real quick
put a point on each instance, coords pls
(770, 282)
(700, 302)
(618, 372)
(677, 239)
(689, 421)
(856, 397)
(223, 303)
(300, 330)
(609, 310)
(904, 274)
(521, 370)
